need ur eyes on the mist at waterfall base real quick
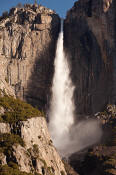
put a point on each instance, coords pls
(68, 137)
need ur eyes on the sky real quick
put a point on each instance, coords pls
(60, 6)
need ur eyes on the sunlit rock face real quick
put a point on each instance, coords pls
(38, 148)
(28, 38)
(89, 41)
(106, 5)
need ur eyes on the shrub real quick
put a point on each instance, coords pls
(7, 141)
(110, 164)
(13, 165)
(35, 149)
(6, 170)
(17, 110)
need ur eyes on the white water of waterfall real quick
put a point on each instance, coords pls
(62, 107)
(68, 137)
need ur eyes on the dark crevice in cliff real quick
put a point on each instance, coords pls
(19, 49)
(89, 8)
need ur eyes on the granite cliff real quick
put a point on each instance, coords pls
(25, 144)
(28, 38)
(89, 41)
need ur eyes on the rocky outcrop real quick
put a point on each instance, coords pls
(106, 5)
(25, 143)
(38, 153)
(28, 38)
(4, 86)
(4, 128)
(99, 159)
(2, 159)
(89, 41)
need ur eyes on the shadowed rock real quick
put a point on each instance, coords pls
(89, 41)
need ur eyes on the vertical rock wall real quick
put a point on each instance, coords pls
(28, 38)
(90, 42)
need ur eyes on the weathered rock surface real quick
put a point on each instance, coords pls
(35, 132)
(106, 5)
(89, 41)
(28, 38)
(4, 128)
(38, 154)
(2, 159)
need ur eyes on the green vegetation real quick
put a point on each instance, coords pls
(37, 173)
(7, 170)
(13, 169)
(17, 110)
(14, 111)
(7, 141)
(35, 149)
(110, 165)
(104, 164)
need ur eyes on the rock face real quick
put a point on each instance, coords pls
(38, 154)
(89, 41)
(4, 128)
(99, 159)
(28, 38)
(25, 141)
(2, 159)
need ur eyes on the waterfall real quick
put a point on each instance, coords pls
(62, 107)
(67, 136)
